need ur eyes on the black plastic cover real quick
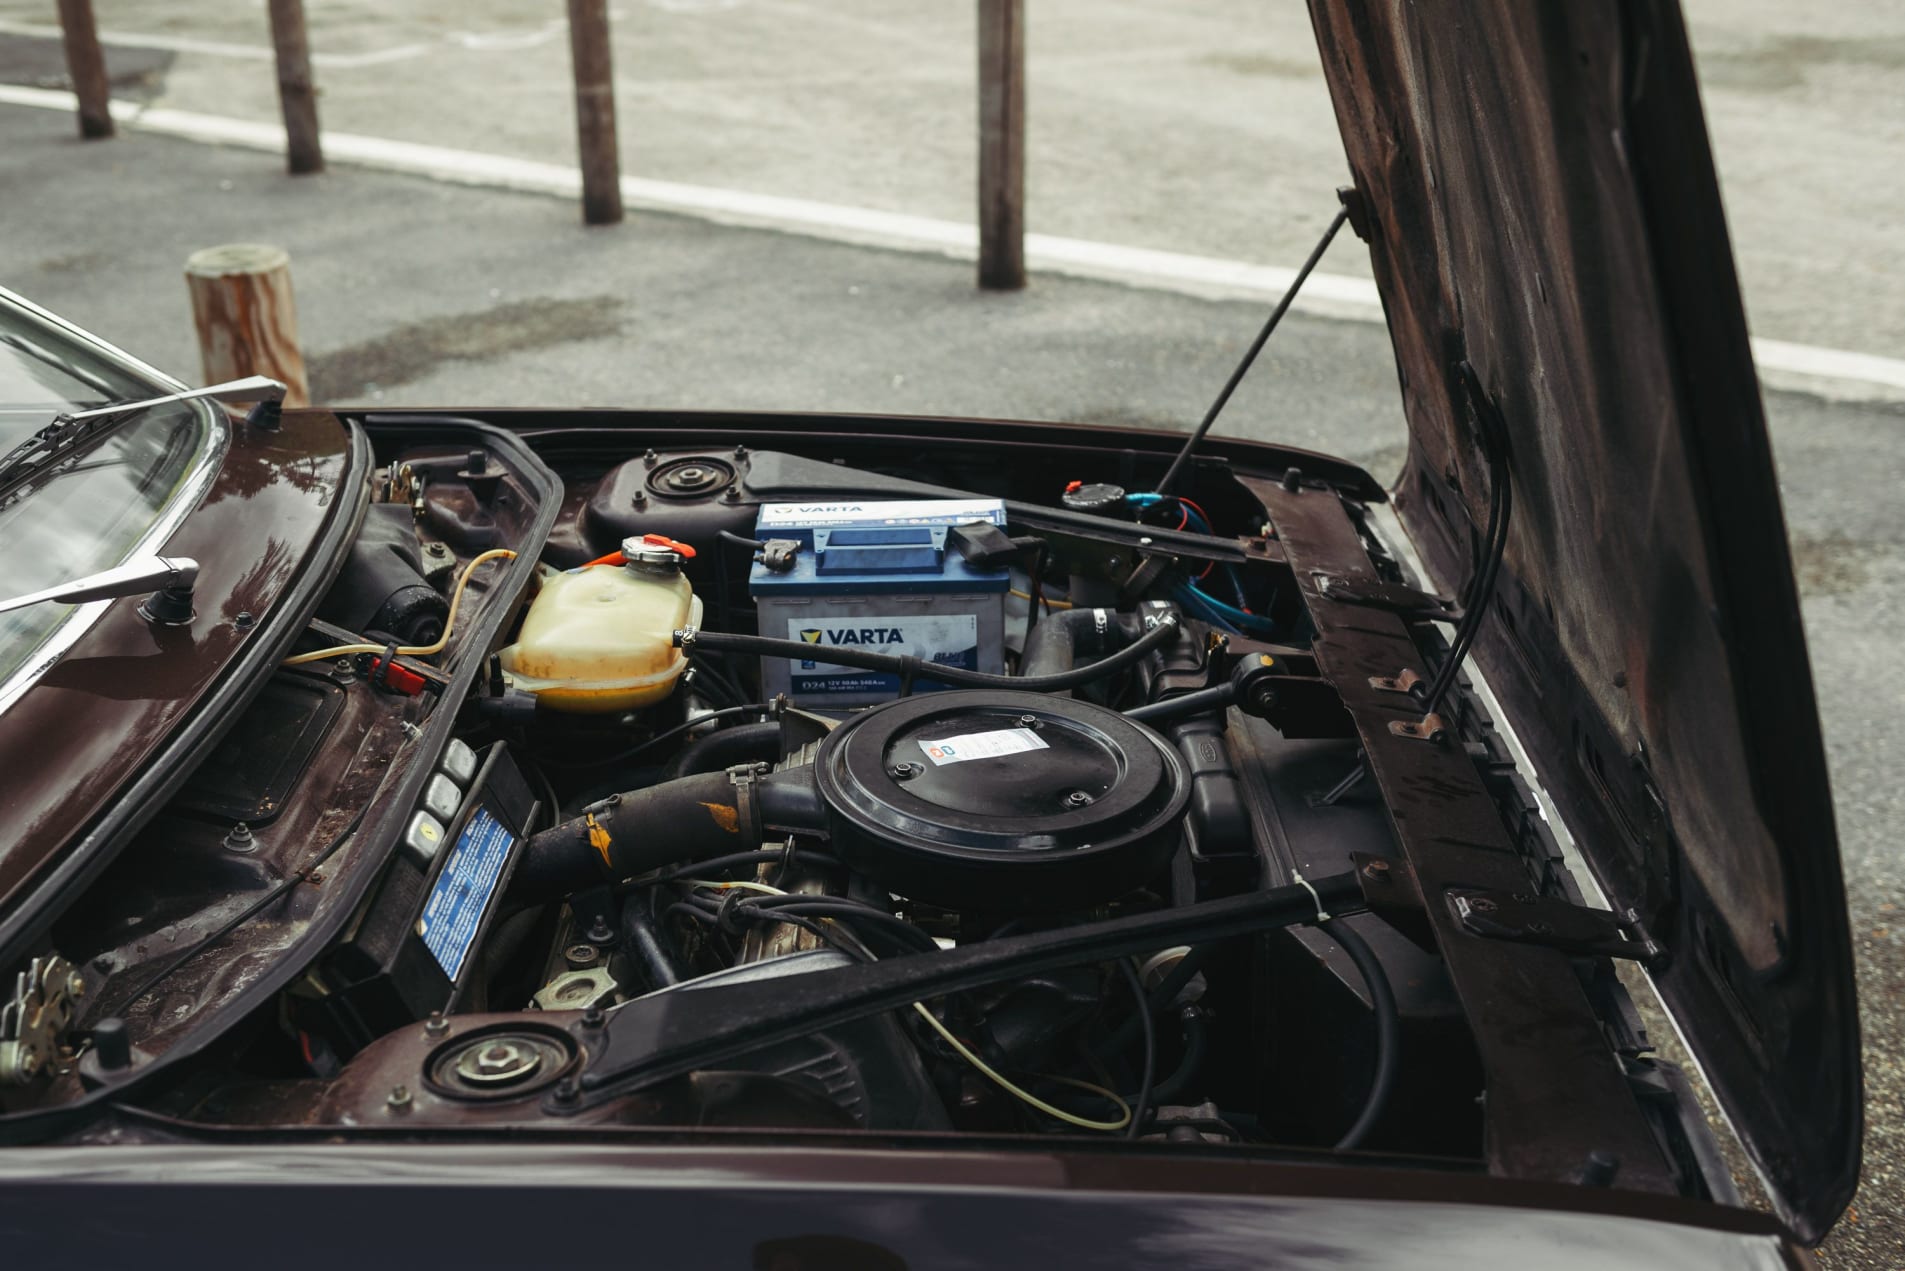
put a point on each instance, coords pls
(1002, 801)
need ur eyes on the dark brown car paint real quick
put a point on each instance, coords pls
(73, 742)
(400, 1197)
(1540, 200)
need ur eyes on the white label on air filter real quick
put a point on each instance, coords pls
(1004, 741)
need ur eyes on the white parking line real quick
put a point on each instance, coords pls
(475, 41)
(1838, 374)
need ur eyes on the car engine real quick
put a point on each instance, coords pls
(591, 802)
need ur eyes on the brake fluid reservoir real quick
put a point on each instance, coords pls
(601, 638)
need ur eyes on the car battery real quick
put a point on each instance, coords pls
(880, 577)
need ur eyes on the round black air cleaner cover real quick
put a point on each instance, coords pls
(1002, 801)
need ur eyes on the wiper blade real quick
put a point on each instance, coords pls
(72, 429)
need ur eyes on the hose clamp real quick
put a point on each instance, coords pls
(747, 806)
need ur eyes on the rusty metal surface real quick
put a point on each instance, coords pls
(1555, 1091)
(1542, 203)
(74, 740)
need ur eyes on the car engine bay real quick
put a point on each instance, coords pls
(766, 721)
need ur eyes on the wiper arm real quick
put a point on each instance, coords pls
(169, 578)
(73, 428)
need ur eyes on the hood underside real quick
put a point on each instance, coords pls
(1539, 196)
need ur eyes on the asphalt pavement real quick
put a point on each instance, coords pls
(412, 292)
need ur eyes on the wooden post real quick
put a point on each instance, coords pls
(247, 323)
(595, 111)
(1002, 144)
(297, 92)
(86, 67)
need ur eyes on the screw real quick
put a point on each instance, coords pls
(1481, 904)
(593, 1017)
(1376, 869)
(565, 1091)
(581, 955)
(240, 839)
(598, 932)
(732, 496)
(1077, 799)
(1028, 721)
(641, 498)
(740, 452)
(399, 1100)
(436, 1025)
(902, 771)
(244, 620)
(1292, 479)
(649, 459)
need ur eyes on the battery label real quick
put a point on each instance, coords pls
(807, 516)
(949, 639)
(454, 911)
(1004, 741)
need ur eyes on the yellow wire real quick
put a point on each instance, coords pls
(996, 1078)
(1056, 604)
(1026, 1095)
(414, 650)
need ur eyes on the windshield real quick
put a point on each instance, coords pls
(96, 507)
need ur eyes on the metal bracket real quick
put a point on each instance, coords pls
(1370, 593)
(34, 1020)
(1430, 727)
(1403, 681)
(1554, 924)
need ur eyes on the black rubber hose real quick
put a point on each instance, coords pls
(690, 818)
(719, 751)
(1201, 702)
(1053, 647)
(1142, 1104)
(916, 668)
(1382, 1000)
(1189, 1065)
(1162, 996)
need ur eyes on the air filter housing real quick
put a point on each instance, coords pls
(1002, 801)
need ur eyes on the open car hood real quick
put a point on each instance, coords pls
(1539, 197)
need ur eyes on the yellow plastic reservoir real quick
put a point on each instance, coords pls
(600, 638)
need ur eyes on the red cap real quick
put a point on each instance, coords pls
(662, 540)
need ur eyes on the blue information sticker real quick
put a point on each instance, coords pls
(454, 911)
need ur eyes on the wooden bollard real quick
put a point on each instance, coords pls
(297, 91)
(595, 111)
(1002, 144)
(247, 323)
(86, 67)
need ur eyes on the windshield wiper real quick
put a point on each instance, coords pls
(72, 429)
(168, 578)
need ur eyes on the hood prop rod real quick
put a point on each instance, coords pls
(1256, 346)
(664, 1035)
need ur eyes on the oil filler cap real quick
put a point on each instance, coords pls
(1002, 801)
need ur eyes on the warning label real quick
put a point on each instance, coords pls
(1004, 741)
(454, 911)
